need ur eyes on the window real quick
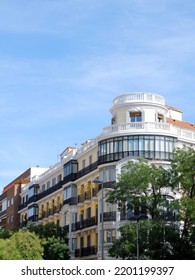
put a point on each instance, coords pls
(70, 167)
(74, 244)
(53, 182)
(90, 160)
(74, 217)
(108, 174)
(135, 117)
(33, 190)
(110, 235)
(70, 191)
(48, 184)
(88, 241)
(43, 188)
(83, 163)
(147, 146)
(160, 118)
(88, 213)
(59, 178)
(4, 205)
(113, 120)
(67, 193)
(33, 211)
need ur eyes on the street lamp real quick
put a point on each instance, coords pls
(99, 182)
(137, 219)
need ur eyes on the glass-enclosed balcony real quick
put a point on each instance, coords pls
(147, 146)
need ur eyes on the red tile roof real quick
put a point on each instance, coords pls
(181, 124)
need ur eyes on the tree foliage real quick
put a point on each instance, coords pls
(48, 242)
(142, 184)
(56, 249)
(22, 245)
(169, 236)
(54, 241)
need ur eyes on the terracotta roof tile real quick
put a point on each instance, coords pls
(181, 124)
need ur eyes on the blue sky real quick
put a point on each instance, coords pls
(62, 62)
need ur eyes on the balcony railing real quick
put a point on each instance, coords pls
(50, 212)
(145, 126)
(149, 127)
(41, 195)
(139, 96)
(93, 221)
(108, 216)
(87, 251)
(71, 201)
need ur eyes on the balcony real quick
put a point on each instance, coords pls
(109, 216)
(95, 191)
(22, 206)
(55, 210)
(71, 201)
(87, 169)
(41, 195)
(81, 199)
(87, 251)
(33, 218)
(139, 127)
(50, 190)
(107, 185)
(32, 199)
(139, 97)
(149, 128)
(93, 221)
(87, 196)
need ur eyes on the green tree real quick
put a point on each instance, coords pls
(22, 245)
(147, 185)
(56, 249)
(4, 234)
(183, 180)
(54, 241)
(142, 185)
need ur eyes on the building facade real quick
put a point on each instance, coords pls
(142, 125)
(10, 199)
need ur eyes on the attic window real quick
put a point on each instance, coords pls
(135, 116)
(160, 118)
